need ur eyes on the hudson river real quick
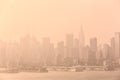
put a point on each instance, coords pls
(86, 75)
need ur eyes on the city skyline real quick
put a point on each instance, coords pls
(59, 39)
(77, 36)
(72, 51)
(58, 33)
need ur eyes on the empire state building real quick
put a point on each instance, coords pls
(81, 44)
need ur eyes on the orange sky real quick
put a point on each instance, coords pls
(55, 18)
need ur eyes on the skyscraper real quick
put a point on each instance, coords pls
(99, 55)
(113, 48)
(76, 51)
(60, 53)
(28, 51)
(117, 46)
(69, 45)
(81, 44)
(48, 52)
(69, 49)
(93, 44)
(93, 50)
(81, 38)
(107, 53)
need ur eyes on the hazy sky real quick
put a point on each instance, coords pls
(55, 18)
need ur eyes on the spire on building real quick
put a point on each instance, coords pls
(81, 37)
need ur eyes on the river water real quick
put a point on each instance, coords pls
(86, 75)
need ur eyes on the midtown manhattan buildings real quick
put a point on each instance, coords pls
(72, 51)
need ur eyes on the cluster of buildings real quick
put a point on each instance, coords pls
(29, 52)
